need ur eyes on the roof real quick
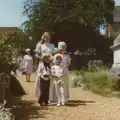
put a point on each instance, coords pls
(5, 29)
(116, 43)
(116, 14)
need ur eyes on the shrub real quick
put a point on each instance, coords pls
(5, 57)
(76, 80)
(96, 82)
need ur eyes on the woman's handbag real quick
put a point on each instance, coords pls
(23, 72)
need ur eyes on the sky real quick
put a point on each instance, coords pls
(11, 13)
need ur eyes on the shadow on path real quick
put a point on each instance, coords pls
(74, 103)
(16, 89)
(26, 110)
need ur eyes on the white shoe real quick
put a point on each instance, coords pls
(63, 104)
(58, 104)
(49, 102)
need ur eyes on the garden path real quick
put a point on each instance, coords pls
(83, 105)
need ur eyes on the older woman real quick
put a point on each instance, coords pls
(46, 47)
(65, 63)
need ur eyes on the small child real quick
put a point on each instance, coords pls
(58, 76)
(44, 83)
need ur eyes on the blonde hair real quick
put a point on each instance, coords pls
(46, 36)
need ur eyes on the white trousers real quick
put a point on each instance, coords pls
(59, 92)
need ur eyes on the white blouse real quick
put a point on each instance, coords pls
(38, 48)
(47, 48)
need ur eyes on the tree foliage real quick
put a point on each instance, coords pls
(9, 43)
(46, 13)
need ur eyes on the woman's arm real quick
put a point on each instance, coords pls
(68, 61)
(38, 51)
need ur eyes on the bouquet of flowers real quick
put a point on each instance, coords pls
(60, 82)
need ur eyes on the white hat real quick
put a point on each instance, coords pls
(62, 46)
(28, 50)
(57, 55)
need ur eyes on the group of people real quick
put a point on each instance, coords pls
(52, 80)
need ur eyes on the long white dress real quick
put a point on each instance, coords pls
(66, 59)
(47, 48)
(28, 64)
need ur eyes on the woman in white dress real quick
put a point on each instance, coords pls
(28, 65)
(45, 48)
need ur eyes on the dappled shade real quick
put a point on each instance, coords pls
(15, 87)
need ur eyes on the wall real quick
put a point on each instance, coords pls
(116, 56)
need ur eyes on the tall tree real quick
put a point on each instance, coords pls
(89, 12)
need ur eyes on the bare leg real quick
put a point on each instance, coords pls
(26, 78)
(29, 75)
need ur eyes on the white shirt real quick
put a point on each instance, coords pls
(42, 70)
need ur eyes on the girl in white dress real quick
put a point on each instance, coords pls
(45, 48)
(28, 65)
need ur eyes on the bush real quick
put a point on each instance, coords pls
(76, 80)
(96, 82)
(5, 57)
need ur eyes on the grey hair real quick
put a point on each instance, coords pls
(62, 45)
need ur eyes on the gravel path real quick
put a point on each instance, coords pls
(83, 105)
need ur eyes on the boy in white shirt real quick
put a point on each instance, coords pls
(58, 75)
(43, 84)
